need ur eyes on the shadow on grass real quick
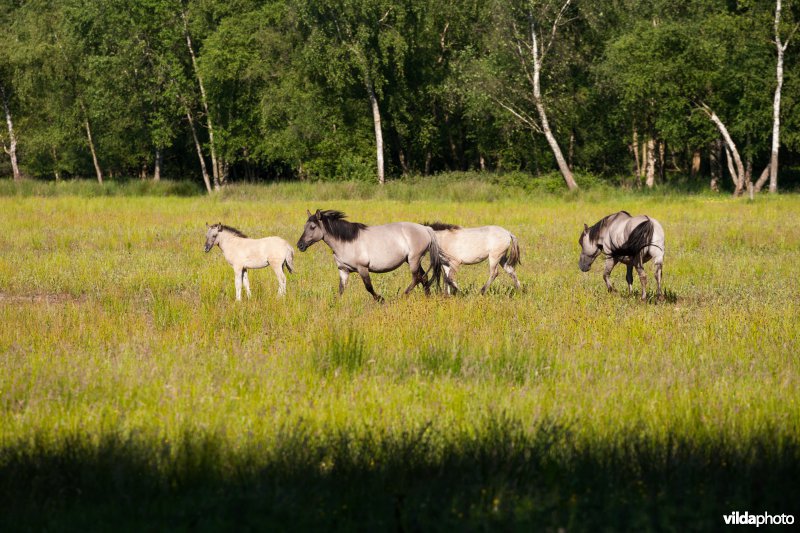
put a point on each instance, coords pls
(495, 476)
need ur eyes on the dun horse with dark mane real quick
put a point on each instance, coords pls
(364, 249)
(623, 238)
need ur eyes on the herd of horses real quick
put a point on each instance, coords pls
(619, 237)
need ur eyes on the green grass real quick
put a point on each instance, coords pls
(135, 393)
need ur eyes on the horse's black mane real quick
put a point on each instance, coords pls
(334, 223)
(223, 227)
(640, 238)
(594, 231)
(440, 226)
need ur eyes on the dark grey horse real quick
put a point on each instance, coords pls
(623, 238)
(364, 249)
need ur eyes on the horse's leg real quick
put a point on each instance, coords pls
(493, 271)
(417, 275)
(450, 284)
(246, 282)
(629, 278)
(642, 280)
(658, 281)
(610, 264)
(343, 277)
(511, 272)
(278, 269)
(237, 277)
(364, 273)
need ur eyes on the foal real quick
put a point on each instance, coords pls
(243, 254)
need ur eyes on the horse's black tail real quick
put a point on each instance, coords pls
(513, 258)
(436, 257)
(640, 238)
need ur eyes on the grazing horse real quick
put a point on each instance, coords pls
(470, 246)
(623, 238)
(364, 249)
(243, 254)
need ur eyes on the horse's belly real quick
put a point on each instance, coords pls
(260, 262)
(385, 264)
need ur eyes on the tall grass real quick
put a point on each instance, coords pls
(135, 390)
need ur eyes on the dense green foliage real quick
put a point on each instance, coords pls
(135, 393)
(287, 85)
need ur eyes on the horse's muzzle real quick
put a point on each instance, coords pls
(302, 246)
(207, 248)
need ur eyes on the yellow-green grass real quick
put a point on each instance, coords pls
(121, 337)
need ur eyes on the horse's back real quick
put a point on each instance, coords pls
(473, 245)
(656, 248)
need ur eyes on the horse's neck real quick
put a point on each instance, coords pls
(338, 247)
(226, 240)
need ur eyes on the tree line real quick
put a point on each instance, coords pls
(228, 90)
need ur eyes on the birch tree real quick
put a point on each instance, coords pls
(11, 148)
(780, 47)
(527, 33)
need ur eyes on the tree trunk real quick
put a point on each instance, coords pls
(56, 172)
(215, 167)
(159, 159)
(696, 161)
(98, 171)
(715, 162)
(737, 174)
(376, 120)
(651, 163)
(12, 138)
(537, 98)
(776, 104)
(762, 179)
(199, 152)
(635, 150)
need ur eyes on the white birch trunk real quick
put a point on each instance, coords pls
(157, 165)
(98, 171)
(12, 138)
(215, 168)
(762, 179)
(635, 150)
(651, 163)
(540, 110)
(376, 119)
(776, 104)
(738, 173)
(199, 152)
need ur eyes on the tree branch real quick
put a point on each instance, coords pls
(522, 116)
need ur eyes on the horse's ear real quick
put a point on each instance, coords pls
(585, 227)
(308, 213)
(318, 214)
(207, 224)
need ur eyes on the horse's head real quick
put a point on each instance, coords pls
(211, 235)
(589, 250)
(312, 232)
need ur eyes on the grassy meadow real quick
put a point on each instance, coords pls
(135, 393)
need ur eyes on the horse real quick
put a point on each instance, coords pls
(243, 253)
(364, 249)
(622, 238)
(470, 246)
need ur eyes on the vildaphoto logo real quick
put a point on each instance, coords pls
(764, 519)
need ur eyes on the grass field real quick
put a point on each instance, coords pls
(135, 393)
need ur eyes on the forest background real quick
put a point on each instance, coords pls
(693, 93)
